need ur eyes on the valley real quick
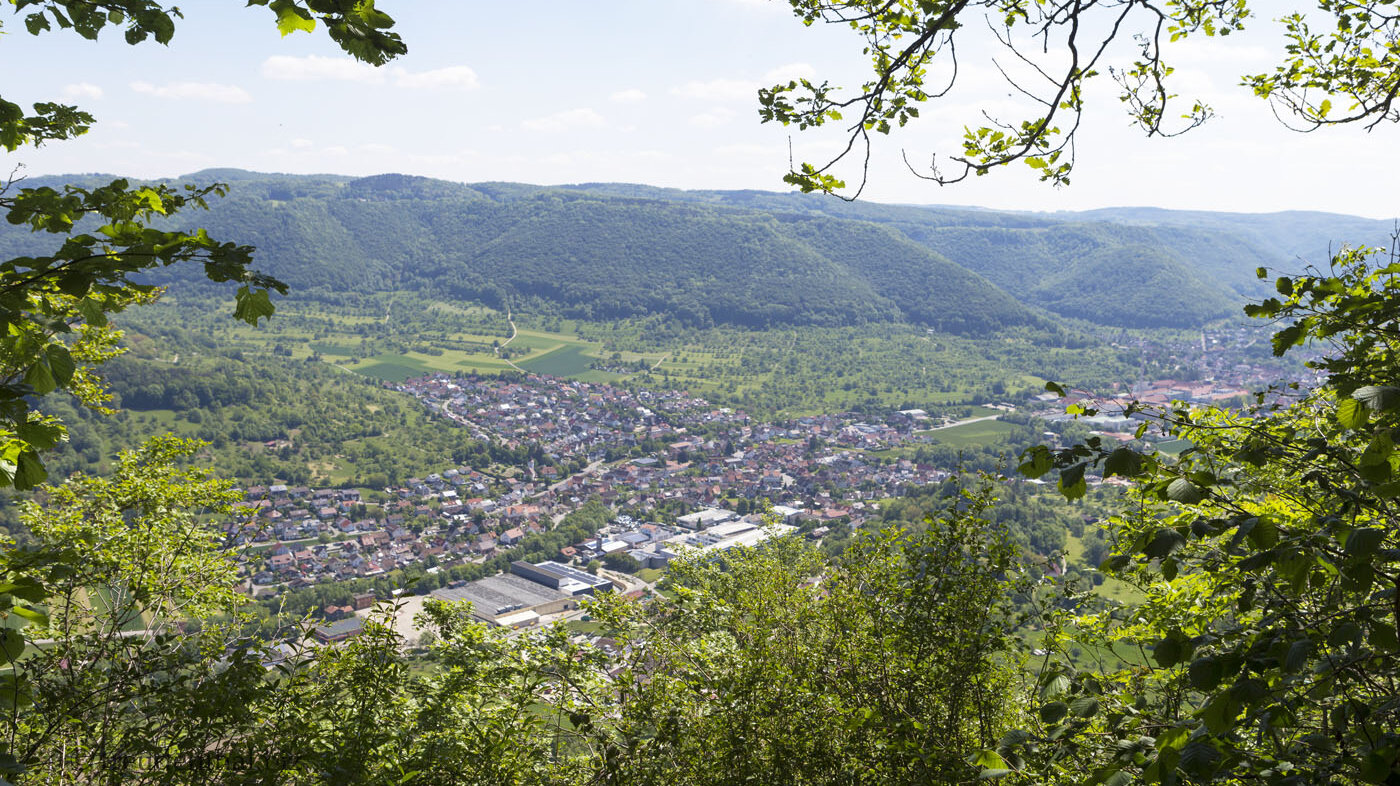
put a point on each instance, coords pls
(346, 458)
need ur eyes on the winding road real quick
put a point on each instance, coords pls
(513, 334)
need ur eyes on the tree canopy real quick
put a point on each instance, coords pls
(54, 309)
(54, 306)
(1338, 64)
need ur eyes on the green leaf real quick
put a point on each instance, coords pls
(1221, 713)
(1352, 413)
(252, 305)
(1173, 738)
(1376, 768)
(291, 19)
(1298, 654)
(1054, 711)
(1380, 398)
(1038, 461)
(29, 471)
(14, 692)
(987, 759)
(1072, 484)
(1364, 542)
(1378, 452)
(61, 363)
(92, 312)
(1164, 541)
(39, 435)
(1199, 758)
(1287, 338)
(25, 589)
(1184, 491)
(1055, 686)
(39, 377)
(36, 618)
(1263, 533)
(1168, 652)
(1124, 462)
(1055, 388)
(1084, 707)
(11, 643)
(1119, 778)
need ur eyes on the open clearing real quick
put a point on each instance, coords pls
(978, 433)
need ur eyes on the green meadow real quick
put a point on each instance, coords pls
(978, 433)
(764, 371)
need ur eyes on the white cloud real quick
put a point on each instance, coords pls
(344, 69)
(336, 150)
(82, 90)
(451, 77)
(317, 68)
(566, 120)
(712, 119)
(717, 90)
(302, 144)
(742, 89)
(748, 150)
(789, 72)
(195, 91)
(629, 96)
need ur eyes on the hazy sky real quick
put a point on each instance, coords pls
(649, 91)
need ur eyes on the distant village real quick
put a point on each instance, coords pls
(670, 460)
(812, 469)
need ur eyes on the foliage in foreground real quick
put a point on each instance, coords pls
(778, 664)
(1270, 554)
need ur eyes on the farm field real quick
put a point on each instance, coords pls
(767, 372)
(978, 433)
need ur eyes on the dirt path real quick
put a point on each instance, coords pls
(513, 334)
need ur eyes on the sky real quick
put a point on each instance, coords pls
(661, 92)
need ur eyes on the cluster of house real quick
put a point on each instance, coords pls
(815, 467)
(1224, 363)
(565, 417)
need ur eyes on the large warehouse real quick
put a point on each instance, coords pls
(570, 581)
(509, 600)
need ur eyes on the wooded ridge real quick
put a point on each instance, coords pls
(604, 251)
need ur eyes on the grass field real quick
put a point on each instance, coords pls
(1173, 447)
(563, 361)
(978, 433)
(765, 371)
(552, 354)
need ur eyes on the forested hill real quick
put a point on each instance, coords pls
(745, 257)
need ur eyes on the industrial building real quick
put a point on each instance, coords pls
(568, 580)
(510, 601)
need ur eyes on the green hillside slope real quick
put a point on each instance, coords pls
(750, 258)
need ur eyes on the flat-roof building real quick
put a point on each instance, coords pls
(708, 517)
(566, 579)
(339, 630)
(499, 599)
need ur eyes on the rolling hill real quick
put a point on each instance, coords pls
(753, 258)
